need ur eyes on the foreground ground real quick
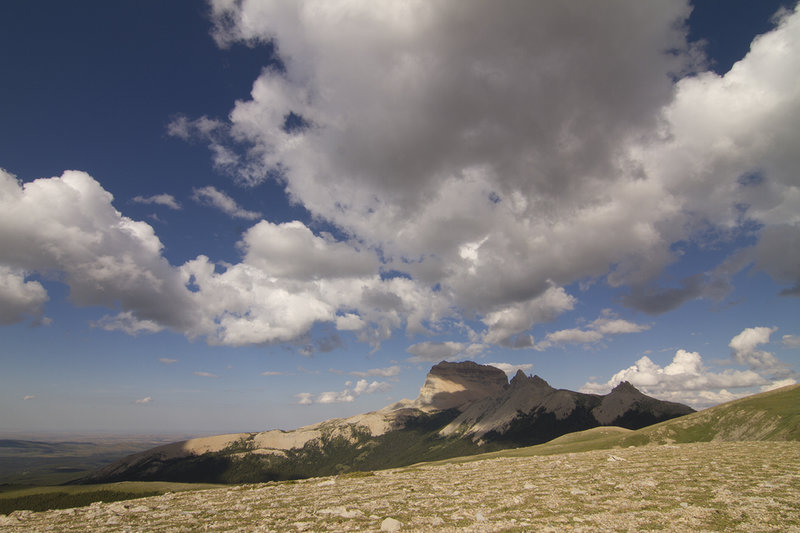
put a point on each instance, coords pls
(750, 486)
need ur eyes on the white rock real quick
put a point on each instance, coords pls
(480, 517)
(390, 524)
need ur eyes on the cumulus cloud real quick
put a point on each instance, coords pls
(585, 162)
(744, 350)
(168, 361)
(217, 199)
(488, 169)
(686, 379)
(19, 298)
(205, 374)
(164, 199)
(147, 399)
(272, 373)
(607, 324)
(66, 228)
(29, 397)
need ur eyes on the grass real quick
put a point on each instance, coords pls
(36, 498)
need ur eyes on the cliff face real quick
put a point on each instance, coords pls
(455, 385)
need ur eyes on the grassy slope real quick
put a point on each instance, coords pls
(63, 497)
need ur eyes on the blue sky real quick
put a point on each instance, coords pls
(241, 216)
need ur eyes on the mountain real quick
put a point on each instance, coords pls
(772, 416)
(462, 409)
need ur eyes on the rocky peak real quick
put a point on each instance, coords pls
(451, 385)
(535, 382)
(625, 387)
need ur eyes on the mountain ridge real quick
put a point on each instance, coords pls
(462, 408)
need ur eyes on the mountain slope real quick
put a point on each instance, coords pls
(530, 411)
(764, 417)
(462, 409)
(768, 416)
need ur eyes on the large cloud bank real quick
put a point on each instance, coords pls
(491, 154)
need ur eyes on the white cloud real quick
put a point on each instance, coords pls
(164, 199)
(345, 396)
(510, 369)
(29, 397)
(493, 168)
(387, 372)
(553, 186)
(506, 325)
(686, 379)
(127, 322)
(365, 387)
(213, 197)
(791, 341)
(19, 298)
(607, 324)
(349, 394)
(65, 228)
(291, 251)
(147, 399)
(205, 374)
(745, 353)
(349, 322)
(168, 361)
(435, 351)
(272, 373)
(304, 398)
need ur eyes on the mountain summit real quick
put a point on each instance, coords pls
(462, 408)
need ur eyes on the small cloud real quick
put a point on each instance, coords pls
(205, 374)
(434, 351)
(271, 373)
(167, 200)
(349, 394)
(127, 322)
(29, 397)
(387, 372)
(213, 197)
(168, 361)
(349, 322)
(304, 398)
(146, 399)
(791, 341)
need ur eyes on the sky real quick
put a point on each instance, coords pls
(247, 215)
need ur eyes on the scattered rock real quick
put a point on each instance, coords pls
(390, 524)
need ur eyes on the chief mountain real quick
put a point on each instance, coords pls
(462, 409)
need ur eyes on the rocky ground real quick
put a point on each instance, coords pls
(752, 486)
